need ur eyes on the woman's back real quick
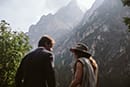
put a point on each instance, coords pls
(89, 73)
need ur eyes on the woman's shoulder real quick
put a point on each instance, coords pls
(83, 60)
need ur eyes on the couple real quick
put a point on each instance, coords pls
(37, 67)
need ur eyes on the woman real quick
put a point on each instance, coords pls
(85, 69)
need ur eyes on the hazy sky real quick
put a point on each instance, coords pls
(20, 14)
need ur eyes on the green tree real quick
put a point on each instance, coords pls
(13, 46)
(127, 19)
(126, 2)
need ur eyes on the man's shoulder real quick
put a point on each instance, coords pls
(38, 52)
(41, 50)
(46, 52)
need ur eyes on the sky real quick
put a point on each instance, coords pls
(21, 14)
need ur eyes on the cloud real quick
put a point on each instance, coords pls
(23, 13)
(85, 4)
(2, 2)
(56, 4)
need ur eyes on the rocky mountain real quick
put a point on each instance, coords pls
(90, 11)
(56, 25)
(104, 31)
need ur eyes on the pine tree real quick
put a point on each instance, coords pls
(127, 19)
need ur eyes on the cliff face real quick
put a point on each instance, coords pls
(58, 25)
(103, 30)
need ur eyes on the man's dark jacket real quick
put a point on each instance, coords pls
(36, 70)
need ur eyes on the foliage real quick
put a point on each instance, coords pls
(126, 2)
(127, 22)
(126, 19)
(13, 45)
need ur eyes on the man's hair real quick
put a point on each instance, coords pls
(46, 40)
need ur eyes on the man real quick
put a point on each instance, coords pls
(36, 68)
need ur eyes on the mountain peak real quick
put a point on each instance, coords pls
(73, 2)
(57, 25)
(72, 6)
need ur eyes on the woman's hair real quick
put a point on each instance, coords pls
(46, 40)
(81, 54)
(93, 63)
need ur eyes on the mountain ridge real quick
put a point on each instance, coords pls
(108, 40)
(56, 25)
